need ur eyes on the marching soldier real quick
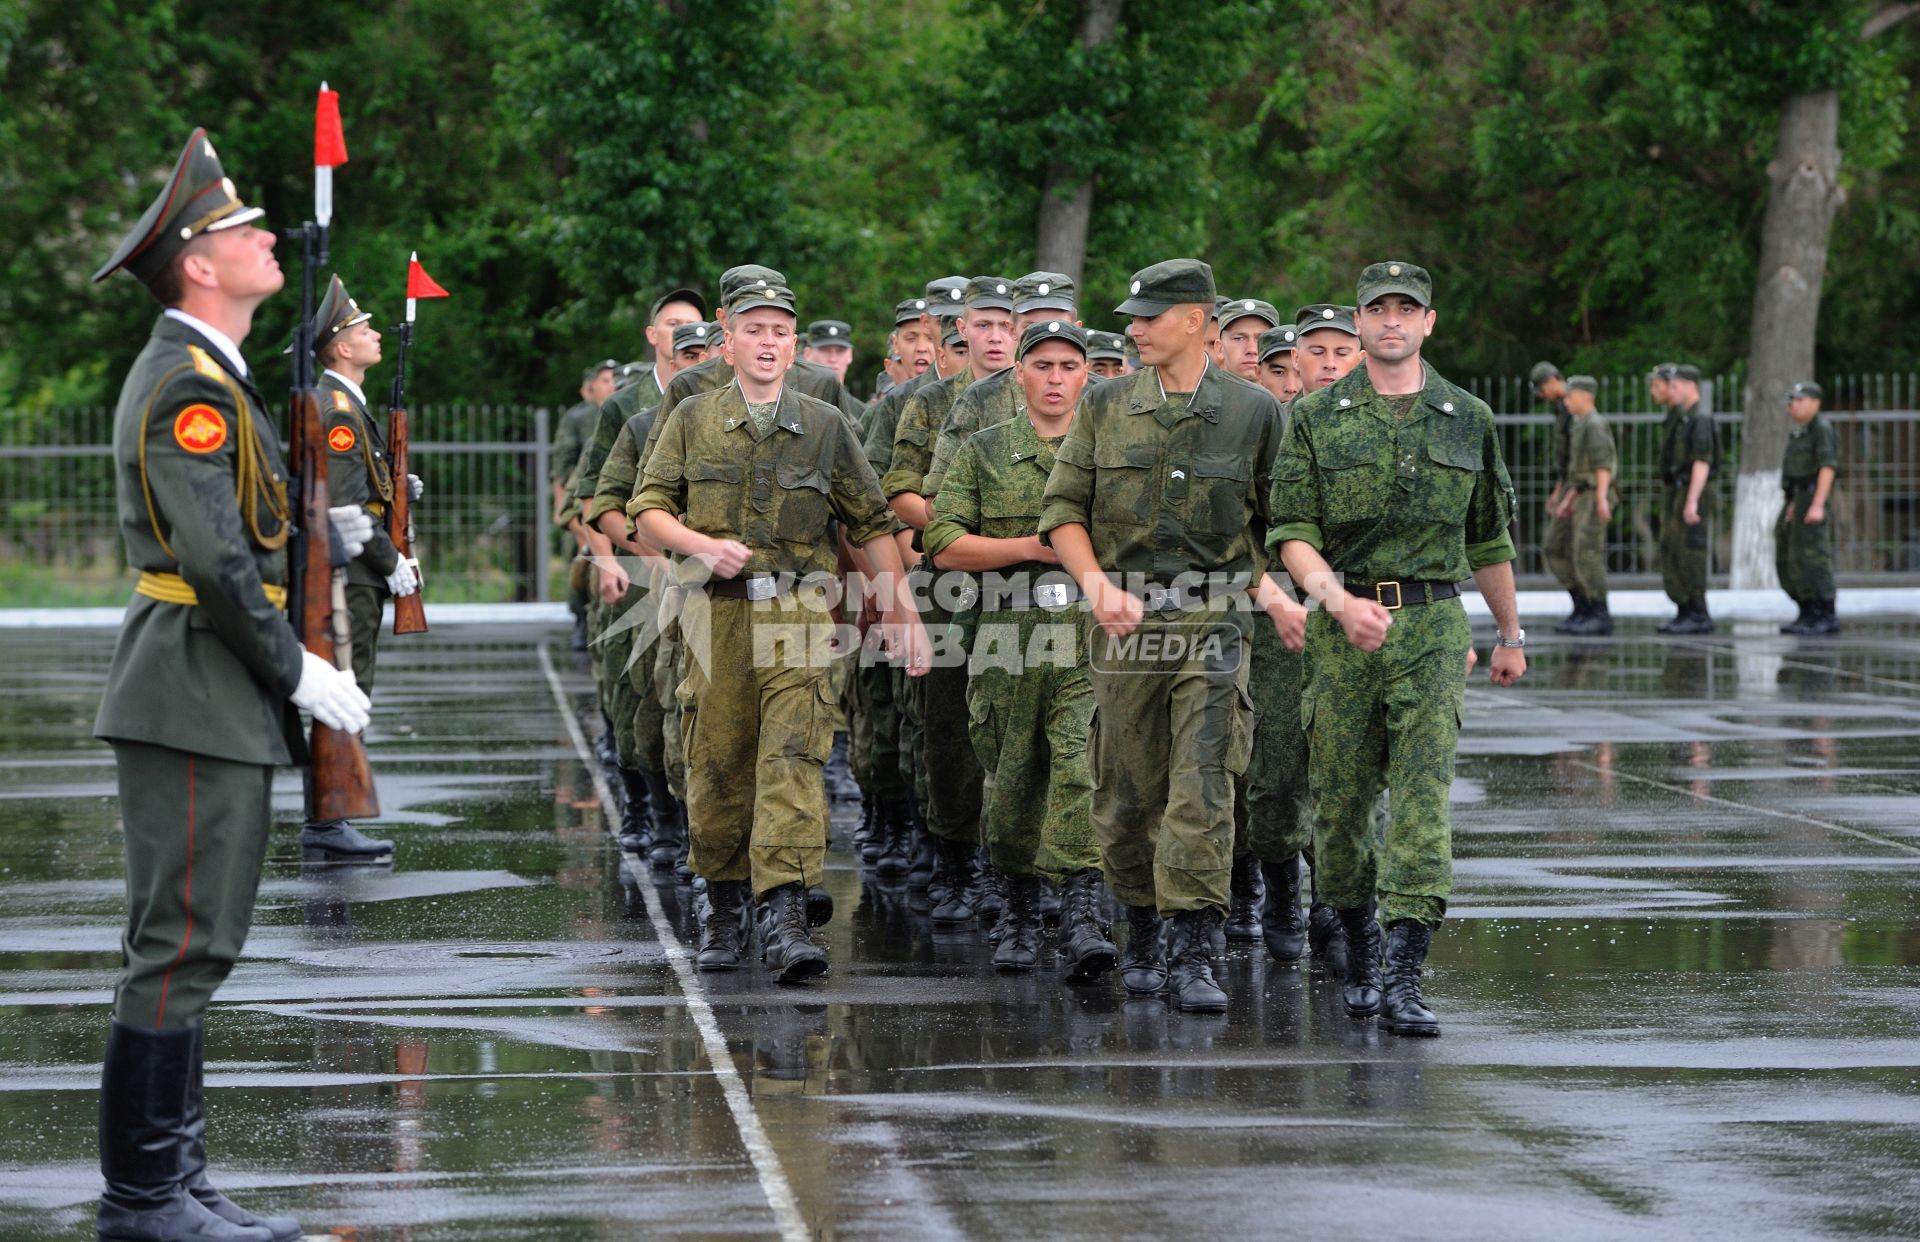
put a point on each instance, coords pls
(745, 481)
(1157, 506)
(596, 385)
(201, 697)
(1242, 321)
(1588, 498)
(1393, 478)
(1106, 355)
(1802, 536)
(1689, 459)
(359, 472)
(830, 345)
(1277, 373)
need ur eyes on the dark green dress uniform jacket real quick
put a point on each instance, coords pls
(359, 472)
(202, 486)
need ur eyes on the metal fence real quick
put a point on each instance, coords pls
(484, 534)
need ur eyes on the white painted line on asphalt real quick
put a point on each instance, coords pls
(766, 1161)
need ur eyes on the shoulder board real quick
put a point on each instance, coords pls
(341, 401)
(203, 363)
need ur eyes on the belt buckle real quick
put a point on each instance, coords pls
(1158, 598)
(1051, 595)
(761, 588)
(1381, 600)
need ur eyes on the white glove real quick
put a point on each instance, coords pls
(415, 488)
(354, 525)
(402, 580)
(331, 695)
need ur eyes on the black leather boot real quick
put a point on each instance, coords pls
(1572, 619)
(1598, 622)
(923, 857)
(1243, 912)
(1362, 993)
(683, 852)
(663, 809)
(897, 831)
(989, 893)
(1282, 923)
(579, 640)
(950, 888)
(1327, 940)
(143, 1137)
(1019, 946)
(1190, 962)
(607, 750)
(786, 948)
(720, 932)
(863, 835)
(1143, 967)
(1402, 1012)
(338, 841)
(193, 1156)
(1799, 624)
(1823, 622)
(819, 907)
(634, 835)
(1086, 942)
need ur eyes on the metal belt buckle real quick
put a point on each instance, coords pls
(1381, 600)
(1051, 595)
(1158, 598)
(762, 588)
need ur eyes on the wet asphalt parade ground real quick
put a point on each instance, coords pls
(1678, 993)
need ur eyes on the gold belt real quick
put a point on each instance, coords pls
(173, 589)
(376, 508)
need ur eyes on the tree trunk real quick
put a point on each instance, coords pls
(1066, 204)
(1804, 196)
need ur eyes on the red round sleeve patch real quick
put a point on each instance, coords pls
(340, 439)
(199, 429)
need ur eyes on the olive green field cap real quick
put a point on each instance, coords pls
(1174, 282)
(948, 296)
(692, 297)
(953, 338)
(1240, 308)
(827, 333)
(1324, 315)
(1377, 280)
(1805, 388)
(734, 279)
(910, 310)
(990, 293)
(198, 198)
(1542, 372)
(1279, 340)
(1686, 371)
(1044, 291)
(1584, 383)
(605, 364)
(1106, 345)
(1664, 371)
(755, 296)
(1041, 331)
(695, 336)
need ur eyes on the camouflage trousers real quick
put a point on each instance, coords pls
(1803, 554)
(913, 773)
(579, 583)
(952, 772)
(649, 715)
(1684, 549)
(1271, 819)
(1172, 731)
(666, 684)
(756, 725)
(1029, 706)
(876, 734)
(613, 646)
(1556, 548)
(1588, 558)
(1386, 718)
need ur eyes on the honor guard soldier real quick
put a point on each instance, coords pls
(746, 482)
(201, 697)
(1393, 478)
(1157, 506)
(1689, 460)
(359, 472)
(1803, 535)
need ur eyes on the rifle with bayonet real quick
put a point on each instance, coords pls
(409, 612)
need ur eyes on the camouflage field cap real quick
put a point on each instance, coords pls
(605, 364)
(910, 310)
(1173, 282)
(1219, 304)
(827, 333)
(694, 336)
(1584, 383)
(1805, 388)
(337, 312)
(1324, 315)
(1041, 331)
(990, 293)
(1043, 291)
(197, 198)
(1686, 371)
(947, 295)
(1106, 345)
(952, 338)
(1281, 340)
(692, 297)
(760, 294)
(1664, 371)
(1542, 372)
(734, 279)
(1377, 280)
(1240, 308)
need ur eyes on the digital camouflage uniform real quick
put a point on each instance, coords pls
(1689, 436)
(1803, 551)
(360, 472)
(1028, 717)
(882, 420)
(756, 731)
(1170, 485)
(1590, 449)
(1557, 544)
(988, 403)
(1416, 498)
(634, 706)
(1273, 822)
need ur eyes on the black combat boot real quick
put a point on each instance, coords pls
(950, 888)
(683, 853)
(1190, 962)
(1799, 624)
(663, 809)
(1050, 902)
(1019, 946)
(923, 858)
(634, 835)
(785, 947)
(1362, 993)
(579, 639)
(193, 1156)
(989, 893)
(1401, 1009)
(1327, 939)
(1568, 623)
(606, 750)
(1598, 622)
(1243, 912)
(1282, 923)
(841, 787)
(720, 932)
(897, 833)
(864, 836)
(144, 1141)
(1693, 619)
(337, 841)
(1085, 939)
(819, 907)
(1823, 622)
(1143, 967)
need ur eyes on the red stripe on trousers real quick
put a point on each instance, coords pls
(160, 1018)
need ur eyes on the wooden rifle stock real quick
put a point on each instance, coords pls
(341, 784)
(409, 612)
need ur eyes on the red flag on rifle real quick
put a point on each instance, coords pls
(329, 139)
(421, 285)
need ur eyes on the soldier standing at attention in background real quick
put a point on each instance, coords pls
(1392, 478)
(1689, 459)
(201, 697)
(1802, 536)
